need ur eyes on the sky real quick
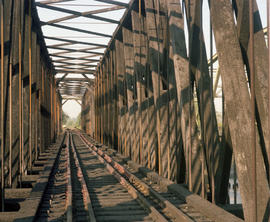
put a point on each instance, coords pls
(72, 108)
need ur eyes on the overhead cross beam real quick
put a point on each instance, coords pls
(74, 80)
(75, 58)
(61, 44)
(62, 78)
(113, 2)
(74, 71)
(77, 30)
(75, 13)
(54, 1)
(76, 64)
(75, 42)
(75, 50)
(85, 13)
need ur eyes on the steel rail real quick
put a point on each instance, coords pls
(69, 186)
(80, 175)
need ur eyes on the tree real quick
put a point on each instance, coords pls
(65, 118)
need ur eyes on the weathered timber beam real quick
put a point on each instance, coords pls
(189, 128)
(157, 50)
(260, 66)
(200, 72)
(130, 91)
(238, 105)
(122, 115)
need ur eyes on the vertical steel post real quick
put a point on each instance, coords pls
(190, 95)
(10, 124)
(22, 109)
(2, 109)
(36, 126)
(202, 176)
(30, 86)
(41, 99)
(268, 38)
(212, 110)
(201, 84)
(252, 91)
(51, 111)
(234, 181)
(54, 111)
(20, 101)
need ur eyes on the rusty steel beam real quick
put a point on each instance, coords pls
(268, 38)
(2, 109)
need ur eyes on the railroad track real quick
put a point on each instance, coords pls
(137, 177)
(66, 197)
(52, 205)
(86, 184)
(161, 206)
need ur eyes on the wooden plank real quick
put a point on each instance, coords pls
(122, 115)
(155, 20)
(15, 95)
(139, 43)
(115, 101)
(169, 81)
(110, 94)
(131, 97)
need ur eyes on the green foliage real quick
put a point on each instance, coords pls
(65, 118)
(71, 122)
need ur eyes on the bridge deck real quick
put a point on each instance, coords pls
(83, 180)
